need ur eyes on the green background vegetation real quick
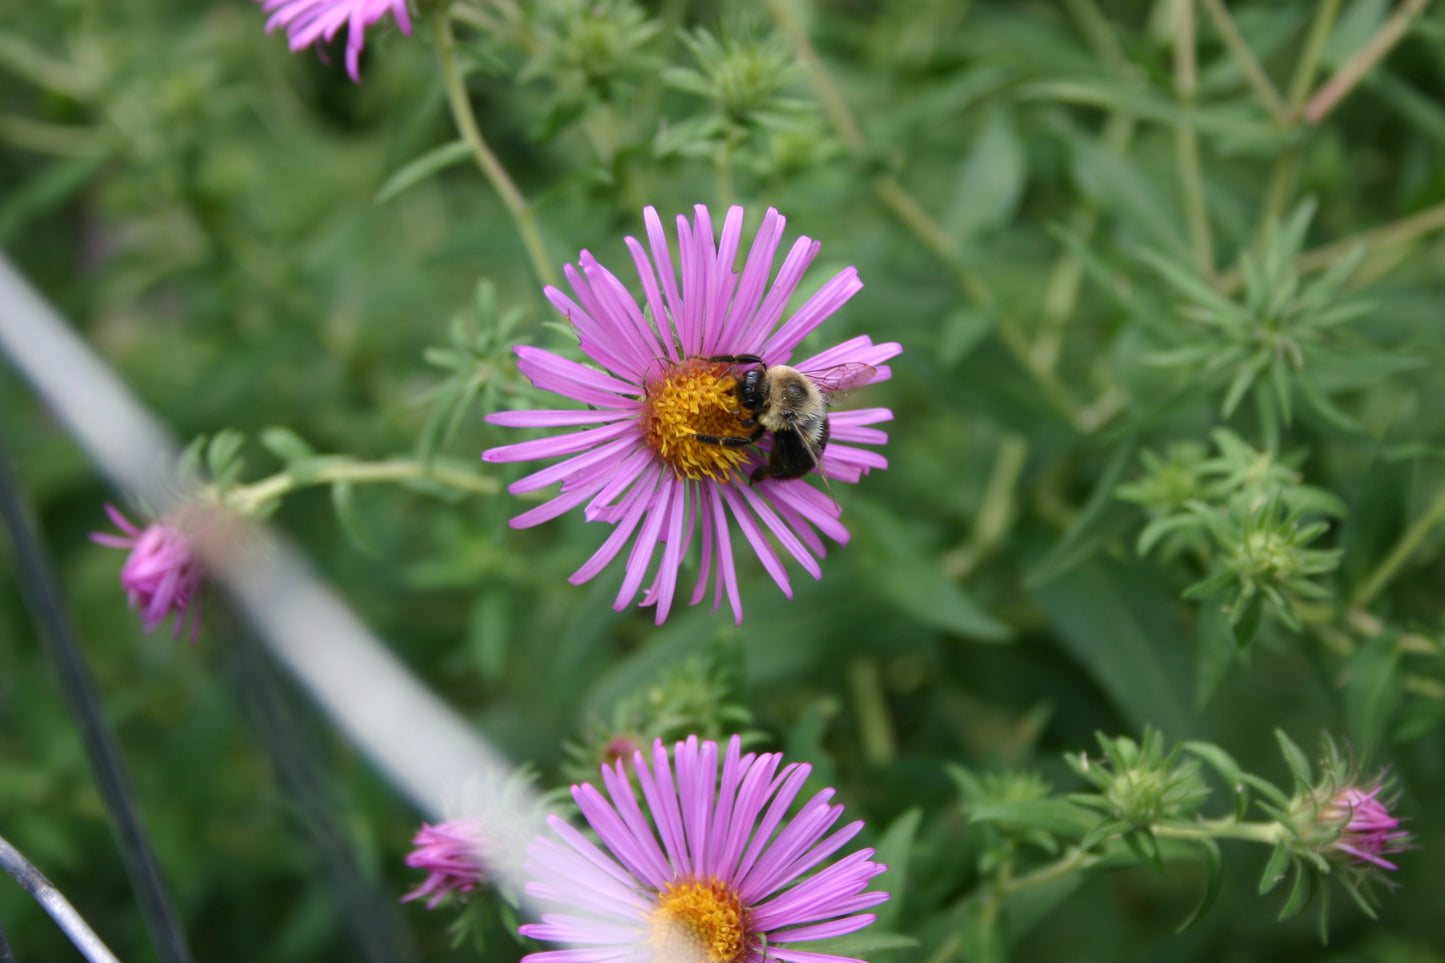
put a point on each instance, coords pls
(1045, 202)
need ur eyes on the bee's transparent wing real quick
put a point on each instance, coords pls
(842, 377)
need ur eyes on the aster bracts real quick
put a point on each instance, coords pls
(640, 468)
(162, 575)
(308, 22)
(723, 879)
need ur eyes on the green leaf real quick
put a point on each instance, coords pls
(1097, 523)
(1300, 893)
(893, 851)
(343, 502)
(1212, 886)
(893, 566)
(1374, 691)
(1224, 764)
(1057, 816)
(1244, 620)
(223, 462)
(1275, 869)
(434, 160)
(1124, 629)
(858, 945)
(990, 181)
(1298, 763)
(286, 445)
(962, 331)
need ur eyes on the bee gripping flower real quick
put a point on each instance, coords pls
(668, 374)
(310, 22)
(162, 575)
(451, 853)
(723, 879)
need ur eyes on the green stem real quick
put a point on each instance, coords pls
(248, 499)
(1396, 232)
(828, 95)
(1246, 60)
(880, 746)
(1186, 143)
(1313, 53)
(725, 173)
(495, 173)
(1266, 833)
(1400, 554)
(1286, 168)
(996, 512)
(1354, 70)
(1071, 862)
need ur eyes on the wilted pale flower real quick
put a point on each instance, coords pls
(713, 884)
(1366, 828)
(309, 22)
(162, 574)
(643, 468)
(452, 856)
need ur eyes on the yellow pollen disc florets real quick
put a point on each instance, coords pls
(699, 922)
(696, 397)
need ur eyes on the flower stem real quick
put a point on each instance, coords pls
(1354, 70)
(1396, 232)
(1266, 833)
(1071, 862)
(1401, 553)
(1248, 63)
(828, 95)
(1186, 143)
(248, 499)
(495, 173)
(1286, 168)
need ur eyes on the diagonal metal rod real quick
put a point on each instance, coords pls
(41, 591)
(427, 751)
(51, 900)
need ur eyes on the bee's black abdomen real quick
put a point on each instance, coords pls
(790, 458)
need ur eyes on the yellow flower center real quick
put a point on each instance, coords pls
(696, 397)
(699, 922)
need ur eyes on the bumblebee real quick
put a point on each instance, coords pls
(790, 404)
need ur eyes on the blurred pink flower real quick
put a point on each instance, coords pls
(308, 22)
(642, 469)
(1366, 828)
(161, 576)
(706, 870)
(451, 855)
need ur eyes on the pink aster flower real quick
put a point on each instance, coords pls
(674, 448)
(452, 856)
(309, 22)
(713, 883)
(161, 576)
(1366, 828)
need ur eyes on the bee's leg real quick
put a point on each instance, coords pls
(724, 441)
(737, 359)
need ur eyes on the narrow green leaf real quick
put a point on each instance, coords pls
(1275, 869)
(1300, 893)
(1245, 619)
(893, 851)
(990, 181)
(344, 504)
(1212, 885)
(286, 445)
(418, 170)
(1057, 816)
(1297, 761)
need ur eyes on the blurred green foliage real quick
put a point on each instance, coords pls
(1167, 452)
